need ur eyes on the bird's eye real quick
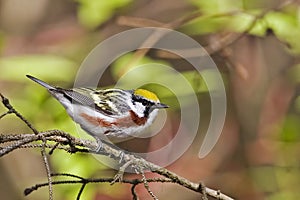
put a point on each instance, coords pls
(144, 102)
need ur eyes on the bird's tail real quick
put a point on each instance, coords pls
(42, 83)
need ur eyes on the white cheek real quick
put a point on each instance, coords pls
(138, 108)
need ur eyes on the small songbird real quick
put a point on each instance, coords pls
(115, 113)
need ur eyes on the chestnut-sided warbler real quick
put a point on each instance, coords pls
(115, 113)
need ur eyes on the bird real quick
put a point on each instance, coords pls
(109, 114)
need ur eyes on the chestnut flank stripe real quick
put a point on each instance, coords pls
(97, 121)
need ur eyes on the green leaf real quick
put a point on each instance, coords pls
(216, 16)
(217, 6)
(286, 27)
(92, 13)
(291, 127)
(282, 23)
(243, 21)
(205, 25)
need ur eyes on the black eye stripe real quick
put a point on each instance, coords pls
(143, 101)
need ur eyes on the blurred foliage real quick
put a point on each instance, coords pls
(290, 130)
(217, 16)
(93, 13)
(231, 15)
(43, 66)
(286, 26)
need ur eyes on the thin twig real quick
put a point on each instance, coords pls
(92, 180)
(133, 192)
(4, 114)
(80, 191)
(47, 167)
(146, 185)
(53, 148)
(119, 176)
(10, 108)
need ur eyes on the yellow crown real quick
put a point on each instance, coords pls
(147, 94)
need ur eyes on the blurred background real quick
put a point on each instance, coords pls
(255, 45)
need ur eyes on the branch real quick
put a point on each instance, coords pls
(67, 142)
(57, 139)
(84, 181)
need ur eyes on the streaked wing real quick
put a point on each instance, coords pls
(107, 102)
(114, 100)
(77, 97)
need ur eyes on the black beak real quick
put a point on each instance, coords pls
(42, 83)
(160, 106)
